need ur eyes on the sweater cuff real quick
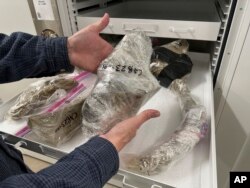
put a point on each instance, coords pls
(104, 154)
(57, 55)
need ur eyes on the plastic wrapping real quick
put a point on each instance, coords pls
(125, 83)
(170, 62)
(41, 94)
(167, 152)
(62, 119)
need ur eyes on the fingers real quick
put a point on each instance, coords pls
(144, 116)
(101, 24)
(135, 122)
(125, 131)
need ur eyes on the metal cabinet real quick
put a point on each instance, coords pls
(221, 23)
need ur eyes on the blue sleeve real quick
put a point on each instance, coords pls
(26, 56)
(90, 165)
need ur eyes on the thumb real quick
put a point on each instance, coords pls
(144, 116)
(102, 23)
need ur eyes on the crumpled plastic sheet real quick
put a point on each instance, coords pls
(124, 84)
(194, 127)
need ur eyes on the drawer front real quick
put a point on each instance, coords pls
(158, 28)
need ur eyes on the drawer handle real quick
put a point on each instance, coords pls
(140, 27)
(19, 144)
(156, 186)
(3, 136)
(125, 184)
(110, 26)
(187, 30)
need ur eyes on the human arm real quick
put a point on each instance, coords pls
(25, 56)
(90, 165)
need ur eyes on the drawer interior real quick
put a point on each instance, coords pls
(197, 169)
(196, 19)
(195, 10)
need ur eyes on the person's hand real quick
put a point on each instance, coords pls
(86, 49)
(125, 131)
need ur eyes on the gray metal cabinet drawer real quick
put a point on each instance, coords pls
(197, 20)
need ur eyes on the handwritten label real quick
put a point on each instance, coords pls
(69, 119)
(43, 9)
(123, 68)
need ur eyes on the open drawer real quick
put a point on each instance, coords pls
(196, 19)
(195, 170)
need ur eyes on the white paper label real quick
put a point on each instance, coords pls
(43, 10)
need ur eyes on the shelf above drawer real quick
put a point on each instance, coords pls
(197, 20)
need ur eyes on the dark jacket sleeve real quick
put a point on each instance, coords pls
(90, 165)
(26, 56)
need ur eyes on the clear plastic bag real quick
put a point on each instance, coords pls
(40, 94)
(166, 152)
(62, 119)
(124, 84)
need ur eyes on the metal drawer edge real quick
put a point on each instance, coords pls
(121, 179)
(32, 146)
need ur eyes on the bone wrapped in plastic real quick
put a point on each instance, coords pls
(194, 127)
(124, 84)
